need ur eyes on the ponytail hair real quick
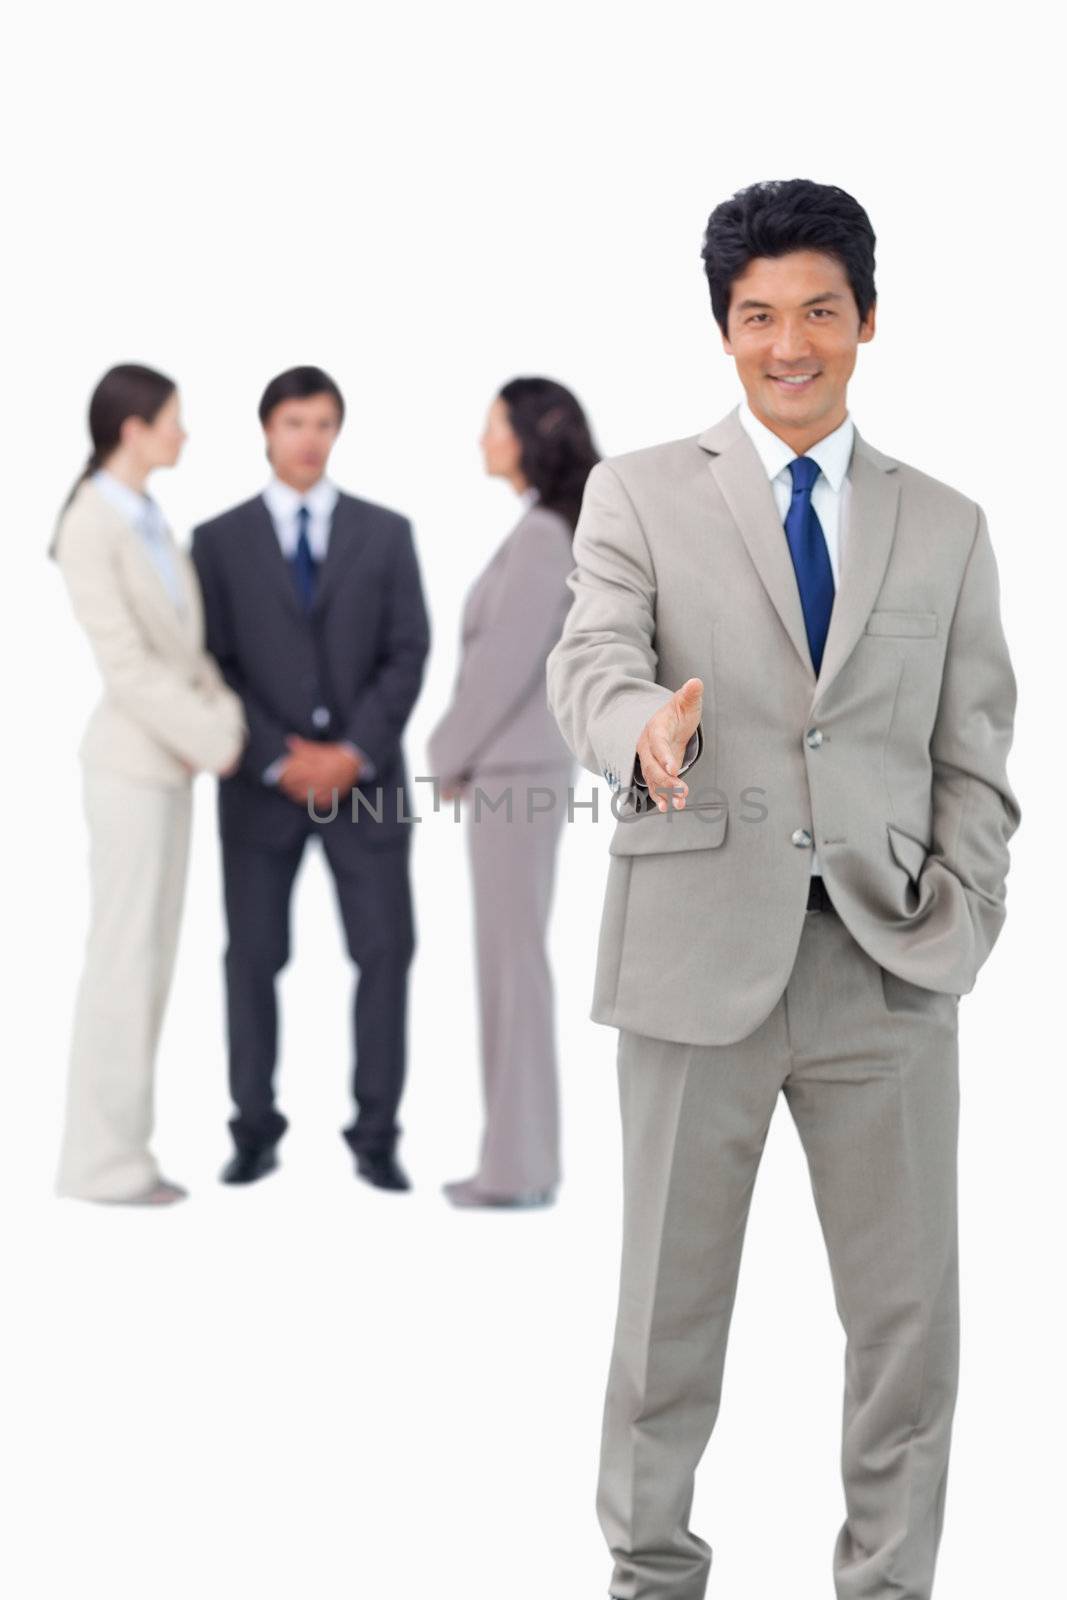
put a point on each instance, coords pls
(123, 392)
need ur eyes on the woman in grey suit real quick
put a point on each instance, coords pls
(499, 748)
(165, 714)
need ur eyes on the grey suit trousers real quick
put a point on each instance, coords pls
(868, 1065)
(513, 866)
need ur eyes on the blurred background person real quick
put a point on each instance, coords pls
(316, 615)
(165, 714)
(498, 737)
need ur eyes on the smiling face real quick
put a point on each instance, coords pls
(793, 329)
(300, 435)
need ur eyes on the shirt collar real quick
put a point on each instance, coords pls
(529, 497)
(283, 500)
(140, 510)
(833, 453)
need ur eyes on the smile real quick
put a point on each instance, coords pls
(800, 380)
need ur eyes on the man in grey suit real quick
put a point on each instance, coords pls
(809, 629)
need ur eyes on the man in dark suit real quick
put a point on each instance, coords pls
(315, 613)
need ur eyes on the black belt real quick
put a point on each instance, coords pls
(818, 896)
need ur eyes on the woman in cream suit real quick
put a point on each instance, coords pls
(165, 714)
(498, 736)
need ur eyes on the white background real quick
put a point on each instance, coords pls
(311, 1388)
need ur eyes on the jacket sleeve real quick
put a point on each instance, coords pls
(503, 662)
(266, 736)
(383, 705)
(201, 728)
(975, 811)
(602, 686)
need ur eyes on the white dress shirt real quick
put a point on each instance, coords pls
(147, 521)
(830, 492)
(283, 503)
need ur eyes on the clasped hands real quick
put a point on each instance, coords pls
(661, 747)
(315, 768)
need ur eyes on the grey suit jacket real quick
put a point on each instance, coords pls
(892, 763)
(499, 717)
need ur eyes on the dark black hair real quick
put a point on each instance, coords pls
(300, 383)
(124, 391)
(557, 447)
(781, 215)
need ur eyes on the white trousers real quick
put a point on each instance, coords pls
(139, 851)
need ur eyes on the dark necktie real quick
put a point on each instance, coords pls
(303, 563)
(811, 559)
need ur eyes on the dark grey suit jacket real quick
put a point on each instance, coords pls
(358, 656)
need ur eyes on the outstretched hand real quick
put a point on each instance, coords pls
(661, 747)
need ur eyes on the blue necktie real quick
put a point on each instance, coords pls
(811, 559)
(303, 563)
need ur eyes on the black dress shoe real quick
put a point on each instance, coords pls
(246, 1166)
(384, 1171)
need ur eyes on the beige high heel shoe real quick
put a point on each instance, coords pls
(162, 1193)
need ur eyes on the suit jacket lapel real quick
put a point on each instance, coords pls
(144, 574)
(347, 539)
(269, 551)
(875, 492)
(192, 617)
(745, 487)
(872, 520)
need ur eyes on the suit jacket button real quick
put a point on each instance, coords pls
(801, 838)
(320, 717)
(814, 738)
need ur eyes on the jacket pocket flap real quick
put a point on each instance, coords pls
(700, 826)
(909, 853)
(903, 624)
